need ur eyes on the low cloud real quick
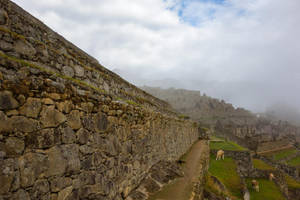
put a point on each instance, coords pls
(246, 52)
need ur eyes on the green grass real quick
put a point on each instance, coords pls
(212, 137)
(291, 182)
(213, 188)
(295, 162)
(278, 155)
(267, 190)
(225, 171)
(226, 145)
(259, 164)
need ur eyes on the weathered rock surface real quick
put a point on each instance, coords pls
(50, 117)
(7, 101)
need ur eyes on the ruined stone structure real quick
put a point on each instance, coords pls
(69, 128)
(237, 124)
(260, 135)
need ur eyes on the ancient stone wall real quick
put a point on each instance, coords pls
(292, 171)
(259, 135)
(31, 42)
(69, 128)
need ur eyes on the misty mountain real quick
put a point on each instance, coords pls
(201, 107)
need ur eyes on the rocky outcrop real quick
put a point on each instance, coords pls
(69, 128)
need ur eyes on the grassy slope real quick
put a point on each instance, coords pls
(225, 171)
(226, 145)
(212, 187)
(281, 154)
(295, 162)
(291, 182)
(267, 190)
(259, 164)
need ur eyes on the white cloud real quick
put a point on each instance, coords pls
(247, 48)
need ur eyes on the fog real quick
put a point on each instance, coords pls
(246, 52)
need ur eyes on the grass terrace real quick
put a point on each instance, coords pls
(214, 188)
(294, 162)
(225, 145)
(267, 190)
(225, 171)
(278, 155)
(292, 183)
(259, 164)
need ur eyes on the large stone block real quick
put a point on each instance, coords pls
(83, 136)
(40, 189)
(7, 101)
(50, 117)
(32, 166)
(57, 162)
(22, 124)
(68, 135)
(87, 178)
(7, 175)
(65, 194)
(14, 146)
(3, 17)
(74, 120)
(59, 183)
(31, 108)
(24, 48)
(42, 139)
(100, 121)
(21, 195)
(71, 154)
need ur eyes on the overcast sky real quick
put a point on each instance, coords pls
(244, 51)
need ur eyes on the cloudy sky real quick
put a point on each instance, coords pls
(244, 51)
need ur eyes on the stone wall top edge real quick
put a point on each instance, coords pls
(94, 63)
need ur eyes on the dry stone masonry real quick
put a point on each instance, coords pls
(69, 128)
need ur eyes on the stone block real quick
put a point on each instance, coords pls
(71, 154)
(59, 183)
(31, 108)
(14, 146)
(74, 120)
(68, 71)
(50, 117)
(22, 124)
(68, 135)
(40, 189)
(79, 71)
(7, 101)
(57, 162)
(32, 166)
(65, 194)
(100, 121)
(82, 136)
(24, 48)
(7, 168)
(20, 195)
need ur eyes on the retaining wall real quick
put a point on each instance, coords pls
(69, 128)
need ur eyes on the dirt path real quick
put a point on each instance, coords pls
(181, 189)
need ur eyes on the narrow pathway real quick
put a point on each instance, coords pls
(182, 188)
